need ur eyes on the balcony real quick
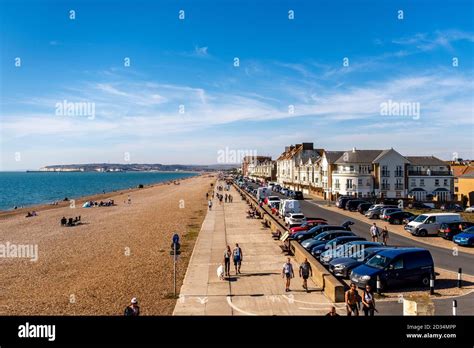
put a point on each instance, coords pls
(398, 174)
(351, 172)
(385, 173)
(429, 173)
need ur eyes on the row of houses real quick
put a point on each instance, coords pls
(361, 173)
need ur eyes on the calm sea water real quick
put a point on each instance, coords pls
(23, 189)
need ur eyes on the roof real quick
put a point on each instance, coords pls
(332, 156)
(426, 161)
(358, 156)
(385, 152)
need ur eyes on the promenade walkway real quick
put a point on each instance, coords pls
(260, 289)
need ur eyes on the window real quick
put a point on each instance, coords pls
(398, 194)
(431, 220)
(349, 184)
(413, 182)
(351, 168)
(445, 182)
(436, 182)
(368, 182)
(398, 264)
(359, 182)
(336, 184)
(422, 182)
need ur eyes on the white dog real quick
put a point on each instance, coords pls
(220, 272)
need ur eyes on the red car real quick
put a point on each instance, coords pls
(307, 225)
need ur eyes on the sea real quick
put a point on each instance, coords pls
(22, 189)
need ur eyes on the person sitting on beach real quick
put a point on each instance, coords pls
(133, 310)
(63, 221)
(34, 213)
(28, 215)
(70, 222)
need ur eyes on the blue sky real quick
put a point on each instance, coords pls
(189, 62)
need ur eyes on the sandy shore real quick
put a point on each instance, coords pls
(118, 253)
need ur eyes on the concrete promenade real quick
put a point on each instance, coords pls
(260, 289)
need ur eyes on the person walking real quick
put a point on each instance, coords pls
(368, 301)
(129, 200)
(132, 310)
(374, 232)
(305, 272)
(209, 204)
(352, 299)
(227, 255)
(238, 257)
(385, 235)
(287, 273)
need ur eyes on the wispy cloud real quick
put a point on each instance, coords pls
(438, 39)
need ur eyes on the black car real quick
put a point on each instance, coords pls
(452, 207)
(419, 205)
(334, 243)
(312, 232)
(448, 230)
(298, 195)
(341, 202)
(352, 204)
(397, 217)
(363, 207)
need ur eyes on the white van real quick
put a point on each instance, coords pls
(263, 192)
(428, 224)
(288, 206)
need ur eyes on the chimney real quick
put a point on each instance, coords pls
(353, 149)
(287, 148)
(307, 146)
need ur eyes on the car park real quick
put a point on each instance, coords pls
(312, 232)
(465, 238)
(342, 266)
(429, 224)
(395, 267)
(347, 250)
(294, 219)
(324, 237)
(448, 230)
(397, 217)
(316, 251)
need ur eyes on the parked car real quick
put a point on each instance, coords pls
(397, 217)
(363, 207)
(352, 204)
(342, 266)
(294, 219)
(347, 250)
(312, 232)
(408, 219)
(375, 211)
(333, 244)
(395, 267)
(323, 238)
(275, 206)
(429, 224)
(283, 191)
(290, 194)
(452, 207)
(385, 212)
(341, 202)
(448, 230)
(298, 195)
(470, 209)
(307, 225)
(465, 238)
(421, 205)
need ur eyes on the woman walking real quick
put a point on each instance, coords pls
(227, 255)
(385, 236)
(368, 301)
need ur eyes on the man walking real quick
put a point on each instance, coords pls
(238, 257)
(374, 232)
(385, 235)
(209, 204)
(287, 273)
(305, 272)
(133, 310)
